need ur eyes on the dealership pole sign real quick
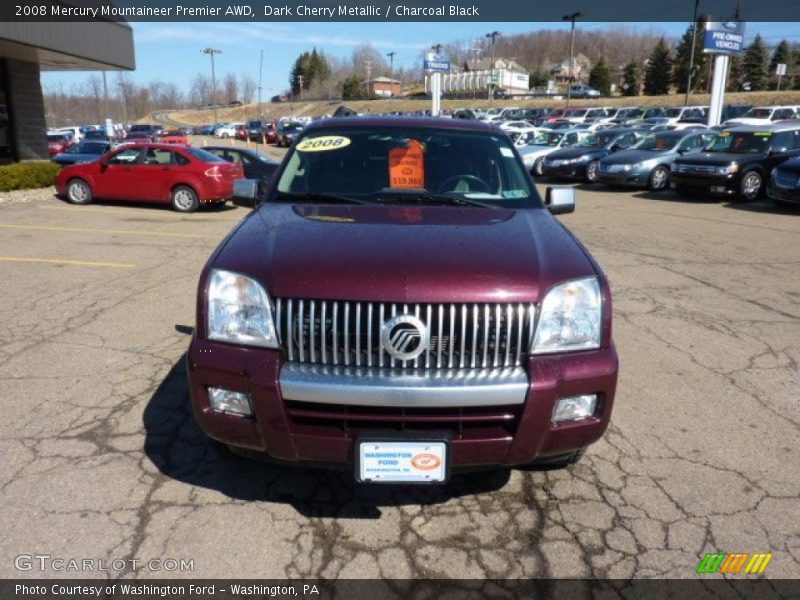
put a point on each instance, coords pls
(435, 64)
(724, 37)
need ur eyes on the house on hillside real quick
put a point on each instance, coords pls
(581, 65)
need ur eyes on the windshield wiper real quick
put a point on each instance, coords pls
(423, 195)
(319, 197)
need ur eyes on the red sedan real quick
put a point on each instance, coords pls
(165, 173)
(58, 143)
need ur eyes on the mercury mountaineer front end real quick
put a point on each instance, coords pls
(403, 329)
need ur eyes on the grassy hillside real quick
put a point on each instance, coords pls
(274, 111)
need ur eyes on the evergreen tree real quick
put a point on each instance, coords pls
(754, 65)
(683, 55)
(659, 69)
(600, 77)
(312, 67)
(537, 79)
(783, 55)
(351, 88)
(630, 80)
(735, 74)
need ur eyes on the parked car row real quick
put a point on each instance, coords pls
(742, 162)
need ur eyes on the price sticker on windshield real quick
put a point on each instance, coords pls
(407, 166)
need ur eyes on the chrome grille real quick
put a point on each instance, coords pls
(335, 332)
(689, 168)
(785, 179)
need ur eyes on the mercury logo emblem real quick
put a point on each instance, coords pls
(404, 337)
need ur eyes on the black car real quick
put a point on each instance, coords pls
(580, 161)
(255, 165)
(784, 183)
(86, 151)
(150, 130)
(97, 135)
(288, 132)
(737, 162)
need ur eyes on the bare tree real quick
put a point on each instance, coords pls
(230, 88)
(248, 88)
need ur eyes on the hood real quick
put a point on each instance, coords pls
(76, 158)
(404, 253)
(629, 157)
(530, 152)
(747, 121)
(717, 158)
(576, 152)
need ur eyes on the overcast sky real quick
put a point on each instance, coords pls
(171, 51)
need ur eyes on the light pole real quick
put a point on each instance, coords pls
(391, 73)
(211, 52)
(492, 36)
(260, 67)
(691, 54)
(571, 17)
(436, 86)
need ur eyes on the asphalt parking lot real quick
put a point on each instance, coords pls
(102, 458)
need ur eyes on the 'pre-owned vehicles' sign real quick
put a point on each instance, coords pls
(724, 37)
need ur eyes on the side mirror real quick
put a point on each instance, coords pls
(560, 200)
(245, 190)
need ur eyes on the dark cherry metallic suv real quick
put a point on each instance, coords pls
(402, 303)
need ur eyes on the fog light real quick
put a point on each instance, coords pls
(223, 400)
(575, 408)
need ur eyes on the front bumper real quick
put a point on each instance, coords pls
(714, 184)
(573, 171)
(623, 178)
(783, 194)
(303, 429)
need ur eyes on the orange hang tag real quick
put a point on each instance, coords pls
(407, 166)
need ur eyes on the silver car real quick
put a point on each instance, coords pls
(647, 163)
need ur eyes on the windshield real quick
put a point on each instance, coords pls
(203, 155)
(406, 164)
(89, 148)
(630, 113)
(740, 142)
(291, 127)
(657, 142)
(575, 112)
(597, 140)
(759, 113)
(547, 138)
(56, 137)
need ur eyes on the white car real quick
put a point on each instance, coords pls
(515, 125)
(77, 134)
(582, 115)
(523, 137)
(765, 115)
(227, 131)
(678, 113)
(546, 142)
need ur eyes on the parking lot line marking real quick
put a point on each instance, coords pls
(62, 261)
(121, 211)
(107, 231)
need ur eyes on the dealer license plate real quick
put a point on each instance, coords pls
(402, 461)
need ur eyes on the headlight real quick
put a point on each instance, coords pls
(729, 170)
(239, 311)
(571, 318)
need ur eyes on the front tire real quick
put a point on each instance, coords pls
(659, 179)
(184, 199)
(79, 192)
(591, 172)
(538, 167)
(751, 186)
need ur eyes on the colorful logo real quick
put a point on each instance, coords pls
(733, 564)
(426, 462)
